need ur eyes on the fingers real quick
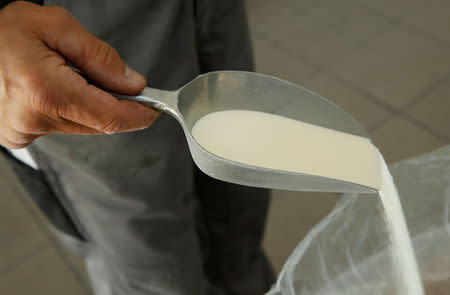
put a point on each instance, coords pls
(89, 106)
(96, 58)
(9, 144)
(14, 139)
(65, 126)
(40, 94)
(94, 108)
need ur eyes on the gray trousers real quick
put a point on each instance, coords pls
(153, 223)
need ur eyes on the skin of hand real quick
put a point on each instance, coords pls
(40, 94)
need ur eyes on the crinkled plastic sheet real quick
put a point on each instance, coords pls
(348, 252)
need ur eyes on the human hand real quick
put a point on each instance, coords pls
(40, 94)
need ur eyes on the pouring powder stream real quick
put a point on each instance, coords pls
(276, 142)
(399, 235)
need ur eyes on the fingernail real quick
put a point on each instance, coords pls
(133, 77)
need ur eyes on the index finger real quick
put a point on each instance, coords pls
(90, 106)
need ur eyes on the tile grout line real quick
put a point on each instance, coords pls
(428, 90)
(404, 21)
(365, 43)
(424, 126)
(380, 13)
(380, 123)
(393, 111)
(23, 258)
(264, 37)
(369, 96)
(426, 34)
(413, 121)
(359, 46)
(328, 68)
(323, 68)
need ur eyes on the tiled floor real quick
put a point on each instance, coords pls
(386, 62)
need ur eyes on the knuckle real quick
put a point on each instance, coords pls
(15, 146)
(16, 6)
(31, 127)
(27, 109)
(40, 100)
(113, 126)
(26, 125)
(20, 138)
(102, 52)
(17, 140)
(59, 16)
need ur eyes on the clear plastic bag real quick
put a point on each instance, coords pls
(348, 252)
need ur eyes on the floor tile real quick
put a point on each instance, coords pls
(268, 17)
(434, 110)
(399, 139)
(18, 230)
(434, 18)
(397, 9)
(397, 66)
(44, 273)
(367, 112)
(325, 32)
(274, 61)
(291, 216)
(332, 31)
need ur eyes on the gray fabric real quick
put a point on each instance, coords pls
(42, 194)
(134, 195)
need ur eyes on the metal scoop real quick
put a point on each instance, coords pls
(232, 90)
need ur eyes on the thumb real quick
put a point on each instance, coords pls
(96, 58)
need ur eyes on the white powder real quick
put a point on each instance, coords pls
(405, 261)
(276, 142)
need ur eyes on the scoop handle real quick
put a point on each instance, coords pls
(164, 100)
